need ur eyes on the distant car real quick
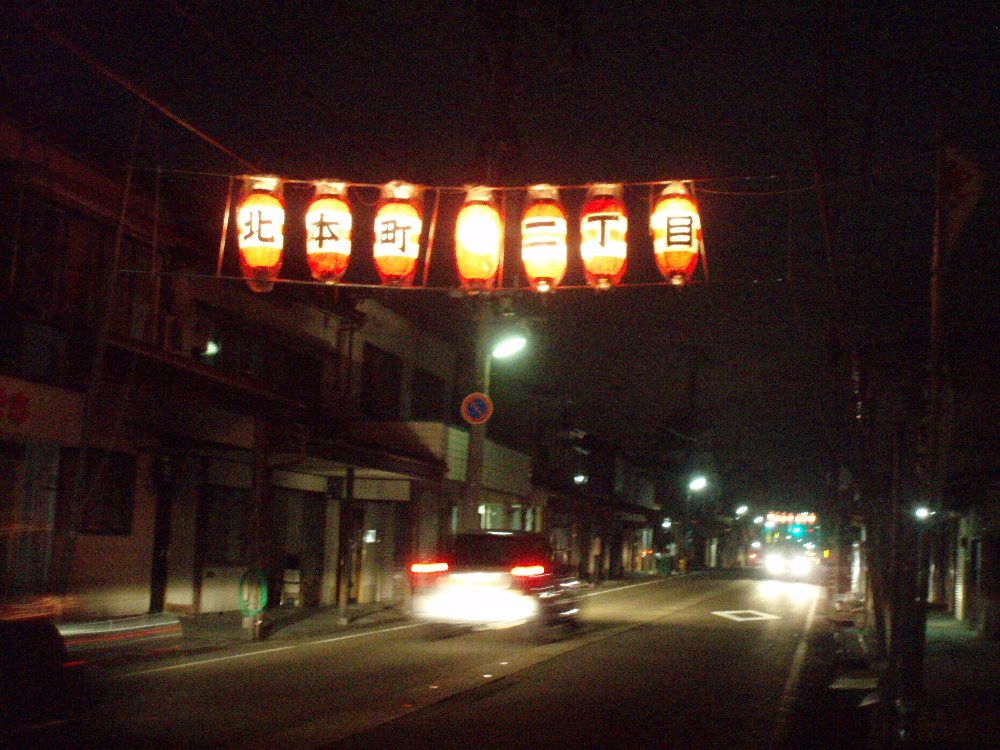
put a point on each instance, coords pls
(790, 562)
(495, 579)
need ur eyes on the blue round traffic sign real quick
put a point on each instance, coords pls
(476, 408)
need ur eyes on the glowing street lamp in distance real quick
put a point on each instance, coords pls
(697, 484)
(509, 345)
(741, 510)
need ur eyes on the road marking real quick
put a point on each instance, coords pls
(255, 652)
(779, 733)
(746, 615)
(316, 642)
(624, 587)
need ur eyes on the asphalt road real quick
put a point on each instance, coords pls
(697, 661)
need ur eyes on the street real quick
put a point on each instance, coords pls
(706, 660)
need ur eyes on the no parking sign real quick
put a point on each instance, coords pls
(476, 408)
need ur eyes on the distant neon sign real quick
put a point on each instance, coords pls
(791, 518)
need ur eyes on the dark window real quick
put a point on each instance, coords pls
(107, 494)
(225, 529)
(132, 310)
(430, 402)
(243, 349)
(39, 266)
(381, 384)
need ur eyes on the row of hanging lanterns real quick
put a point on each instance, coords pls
(479, 235)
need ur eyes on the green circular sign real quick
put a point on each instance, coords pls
(253, 592)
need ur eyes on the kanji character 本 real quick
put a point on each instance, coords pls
(325, 230)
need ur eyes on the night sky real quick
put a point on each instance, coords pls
(751, 100)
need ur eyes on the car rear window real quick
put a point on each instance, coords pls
(498, 551)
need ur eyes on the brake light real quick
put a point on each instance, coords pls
(527, 570)
(435, 567)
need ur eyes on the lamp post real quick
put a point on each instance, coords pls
(697, 484)
(488, 346)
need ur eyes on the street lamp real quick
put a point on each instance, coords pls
(508, 344)
(697, 484)
(488, 347)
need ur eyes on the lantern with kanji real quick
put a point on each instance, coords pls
(478, 240)
(676, 229)
(328, 232)
(261, 225)
(398, 225)
(603, 228)
(543, 238)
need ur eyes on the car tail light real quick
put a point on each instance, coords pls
(433, 567)
(527, 570)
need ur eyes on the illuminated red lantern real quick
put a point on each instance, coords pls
(261, 226)
(676, 229)
(397, 234)
(603, 228)
(543, 238)
(478, 240)
(328, 232)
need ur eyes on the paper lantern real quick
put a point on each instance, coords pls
(603, 228)
(261, 226)
(397, 234)
(543, 238)
(478, 240)
(676, 229)
(328, 232)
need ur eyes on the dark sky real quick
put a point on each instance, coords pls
(750, 99)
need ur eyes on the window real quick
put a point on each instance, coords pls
(429, 402)
(224, 526)
(244, 349)
(491, 516)
(381, 384)
(108, 491)
(39, 264)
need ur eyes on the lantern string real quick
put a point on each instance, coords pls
(701, 240)
(430, 236)
(703, 182)
(503, 237)
(129, 86)
(225, 227)
(459, 292)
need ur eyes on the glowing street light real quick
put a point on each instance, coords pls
(742, 510)
(697, 484)
(488, 347)
(508, 345)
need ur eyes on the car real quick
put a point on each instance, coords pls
(44, 696)
(496, 579)
(790, 562)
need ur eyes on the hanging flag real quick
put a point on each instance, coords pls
(962, 185)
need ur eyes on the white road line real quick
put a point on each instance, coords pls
(344, 637)
(622, 588)
(779, 731)
(259, 652)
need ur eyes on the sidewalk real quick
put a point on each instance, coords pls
(962, 681)
(961, 684)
